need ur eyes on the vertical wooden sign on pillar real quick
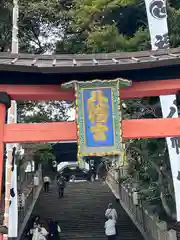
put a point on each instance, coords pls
(2, 122)
(11, 205)
(5, 103)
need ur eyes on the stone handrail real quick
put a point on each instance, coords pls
(30, 200)
(148, 224)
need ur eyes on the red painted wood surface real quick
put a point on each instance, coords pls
(40, 132)
(55, 92)
(66, 131)
(2, 121)
(33, 92)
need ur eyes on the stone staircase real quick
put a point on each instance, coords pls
(81, 212)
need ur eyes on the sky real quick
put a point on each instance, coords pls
(71, 114)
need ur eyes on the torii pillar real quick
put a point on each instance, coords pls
(5, 103)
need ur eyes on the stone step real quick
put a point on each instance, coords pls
(81, 212)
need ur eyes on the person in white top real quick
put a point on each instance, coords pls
(111, 212)
(43, 233)
(36, 232)
(110, 228)
(39, 233)
(47, 181)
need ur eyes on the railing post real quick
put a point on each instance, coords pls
(172, 235)
(2, 122)
(116, 175)
(162, 230)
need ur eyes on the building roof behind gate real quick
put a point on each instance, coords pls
(84, 63)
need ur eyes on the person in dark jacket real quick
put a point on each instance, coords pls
(37, 220)
(30, 228)
(61, 186)
(57, 231)
(51, 230)
(92, 173)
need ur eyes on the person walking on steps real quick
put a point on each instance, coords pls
(61, 186)
(43, 232)
(110, 228)
(113, 213)
(93, 173)
(47, 181)
(57, 231)
(51, 229)
(54, 230)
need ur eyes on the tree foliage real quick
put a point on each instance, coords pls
(37, 112)
(79, 26)
(38, 152)
(148, 163)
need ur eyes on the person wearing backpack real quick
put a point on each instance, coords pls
(61, 186)
(111, 212)
(110, 228)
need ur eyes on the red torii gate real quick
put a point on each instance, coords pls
(33, 77)
(46, 132)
